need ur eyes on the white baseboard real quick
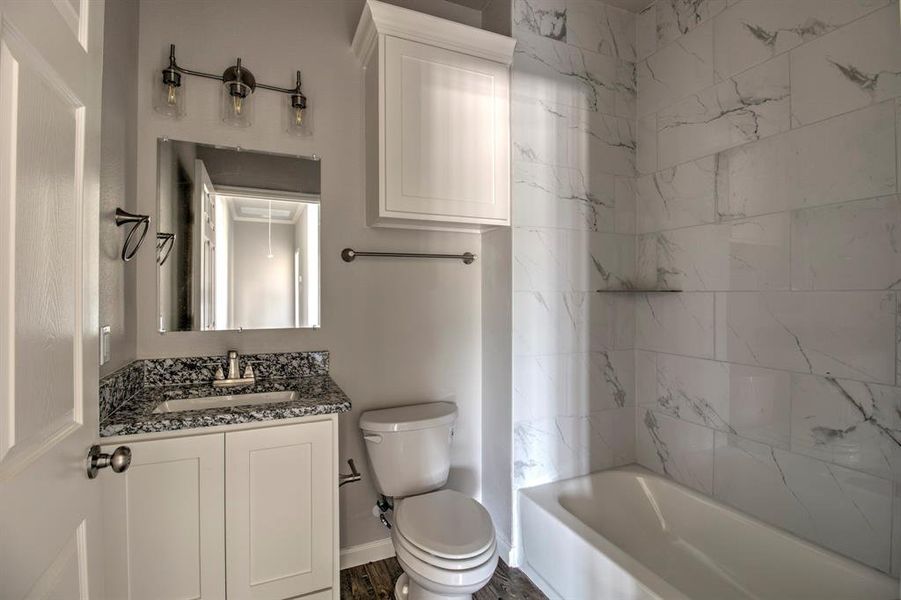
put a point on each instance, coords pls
(507, 553)
(539, 582)
(361, 554)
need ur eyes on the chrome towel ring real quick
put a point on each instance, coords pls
(127, 218)
(164, 243)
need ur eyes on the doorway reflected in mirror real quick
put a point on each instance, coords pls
(245, 252)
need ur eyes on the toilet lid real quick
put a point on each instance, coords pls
(445, 523)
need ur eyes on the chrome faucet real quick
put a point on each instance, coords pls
(234, 379)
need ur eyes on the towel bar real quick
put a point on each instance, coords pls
(349, 254)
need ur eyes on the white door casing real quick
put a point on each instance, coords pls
(50, 95)
(203, 248)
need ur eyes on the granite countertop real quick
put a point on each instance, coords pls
(318, 395)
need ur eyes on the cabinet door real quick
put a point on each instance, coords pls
(280, 492)
(165, 522)
(446, 134)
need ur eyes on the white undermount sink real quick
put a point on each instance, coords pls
(170, 406)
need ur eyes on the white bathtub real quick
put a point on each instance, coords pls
(629, 533)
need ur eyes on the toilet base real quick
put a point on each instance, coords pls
(407, 589)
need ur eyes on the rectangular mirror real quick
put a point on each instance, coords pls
(237, 239)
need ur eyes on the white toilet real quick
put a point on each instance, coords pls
(444, 540)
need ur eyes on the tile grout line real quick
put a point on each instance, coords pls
(766, 368)
(768, 214)
(770, 137)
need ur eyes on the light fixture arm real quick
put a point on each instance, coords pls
(175, 67)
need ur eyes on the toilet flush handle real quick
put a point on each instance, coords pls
(352, 477)
(372, 437)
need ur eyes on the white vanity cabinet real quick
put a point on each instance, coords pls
(437, 120)
(240, 514)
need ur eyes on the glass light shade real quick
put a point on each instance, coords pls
(237, 104)
(300, 120)
(169, 97)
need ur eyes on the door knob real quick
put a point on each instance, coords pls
(118, 461)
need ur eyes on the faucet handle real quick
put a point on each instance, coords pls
(248, 372)
(219, 374)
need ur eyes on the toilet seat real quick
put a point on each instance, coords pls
(443, 563)
(445, 524)
(445, 542)
(445, 581)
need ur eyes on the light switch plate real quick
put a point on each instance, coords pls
(105, 332)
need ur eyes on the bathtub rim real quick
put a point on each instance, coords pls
(545, 497)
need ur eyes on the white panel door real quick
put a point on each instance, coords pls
(165, 529)
(50, 90)
(446, 133)
(280, 495)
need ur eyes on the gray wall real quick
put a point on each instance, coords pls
(261, 171)
(399, 332)
(263, 287)
(176, 215)
(118, 165)
(497, 382)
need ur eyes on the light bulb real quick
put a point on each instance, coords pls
(298, 116)
(238, 103)
(171, 98)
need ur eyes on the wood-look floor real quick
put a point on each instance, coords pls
(375, 581)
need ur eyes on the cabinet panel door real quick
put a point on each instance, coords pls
(166, 513)
(280, 503)
(446, 133)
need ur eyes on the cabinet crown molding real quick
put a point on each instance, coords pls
(380, 18)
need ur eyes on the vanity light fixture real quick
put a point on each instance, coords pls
(238, 86)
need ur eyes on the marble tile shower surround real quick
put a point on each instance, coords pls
(767, 157)
(119, 387)
(574, 141)
(746, 152)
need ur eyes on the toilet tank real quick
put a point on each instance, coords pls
(409, 447)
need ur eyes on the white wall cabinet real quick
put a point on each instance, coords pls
(247, 514)
(437, 120)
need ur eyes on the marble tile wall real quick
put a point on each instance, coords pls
(574, 216)
(768, 147)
